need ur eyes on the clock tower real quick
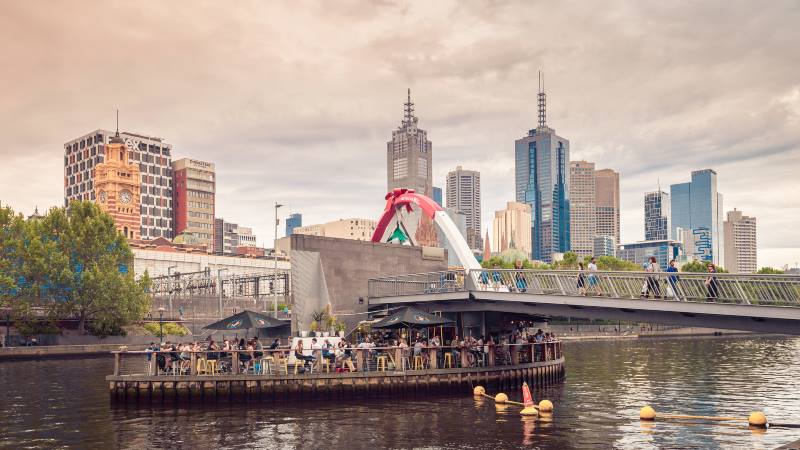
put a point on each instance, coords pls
(116, 188)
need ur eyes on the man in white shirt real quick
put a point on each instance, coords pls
(594, 280)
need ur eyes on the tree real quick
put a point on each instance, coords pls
(769, 271)
(699, 266)
(9, 243)
(86, 268)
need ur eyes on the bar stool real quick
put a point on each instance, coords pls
(211, 367)
(404, 362)
(266, 365)
(297, 364)
(448, 360)
(382, 362)
(326, 365)
(201, 366)
(419, 363)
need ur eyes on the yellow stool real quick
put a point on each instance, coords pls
(419, 363)
(283, 362)
(297, 364)
(211, 367)
(326, 365)
(382, 363)
(448, 360)
(201, 366)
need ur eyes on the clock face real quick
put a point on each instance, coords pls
(125, 197)
(103, 196)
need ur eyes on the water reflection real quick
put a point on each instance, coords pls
(65, 403)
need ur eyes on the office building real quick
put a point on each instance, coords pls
(639, 253)
(583, 208)
(193, 201)
(696, 207)
(437, 196)
(512, 228)
(151, 154)
(542, 181)
(464, 194)
(657, 216)
(228, 237)
(604, 246)
(293, 221)
(741, 252)
(607, 203)
(409, 155)
(460, 220)
(358, 229)
(116, 187)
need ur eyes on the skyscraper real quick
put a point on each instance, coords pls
(153, 156)
(437, 196)
(657, 216)
(511, 228)
(697, 210)
(464, 194)
(583, 209)
(542, 181)
(293, 221)
(741, 252)
(194, 187)
(607, 202)
(409, 155)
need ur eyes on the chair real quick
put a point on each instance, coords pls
(211, 367)
(419, 363)
(382, 363)
(282, 362)
(448, 360)
(200, 366)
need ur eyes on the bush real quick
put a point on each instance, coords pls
(102, 329)
(32, 327)
(170, 328)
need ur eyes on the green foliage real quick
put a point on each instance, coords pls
(170, 328)
(769, 271)
(569, 262)
(33, 327)
(314, 325)
(72, 262)
(699, 266)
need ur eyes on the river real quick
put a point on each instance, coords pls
(65, 403)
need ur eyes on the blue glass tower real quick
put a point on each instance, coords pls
(542, 181)
(293, 221)
(437, 196)
(697, 211)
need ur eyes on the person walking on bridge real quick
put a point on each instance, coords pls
(652, 280)
(712, 285)
(672, 281)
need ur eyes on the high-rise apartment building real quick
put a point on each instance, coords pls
(741, 252)
(542, 181)
(583, 207)
(657, 216)
(409, 162)
(512, 228)
(607, 202)
(193, 204)
(696, 208)
(293, 221)
(604, 246)
(357, 229)
(228, 237)
(464, 194)
(151, 154)
(116, 187)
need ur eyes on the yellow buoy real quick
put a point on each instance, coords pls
(529, 411)
(545, 406)
(478, 390)
(501, 398)
(647, 413)
(757, 419)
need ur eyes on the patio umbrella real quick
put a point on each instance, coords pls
(410, 318)
(246, 320)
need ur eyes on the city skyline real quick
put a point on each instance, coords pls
(676, 119)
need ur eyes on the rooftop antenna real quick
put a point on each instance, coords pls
(542, 97)
(409, 110)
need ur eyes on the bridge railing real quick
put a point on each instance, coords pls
(418, 283)
(781, 290)
(776, 290)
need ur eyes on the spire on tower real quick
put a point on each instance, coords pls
(408, 110)
(542, 97)
(117, 139)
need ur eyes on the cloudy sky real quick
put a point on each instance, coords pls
(295, 101)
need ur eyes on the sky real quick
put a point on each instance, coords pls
(294, 101)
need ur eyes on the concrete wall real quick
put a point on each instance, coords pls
(336, 271)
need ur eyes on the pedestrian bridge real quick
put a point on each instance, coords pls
(759, 303)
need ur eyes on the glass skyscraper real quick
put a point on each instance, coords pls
(542, 181)
(293, 221)
(697, 211)
(657, 216)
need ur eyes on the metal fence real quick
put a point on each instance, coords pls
(776, 290)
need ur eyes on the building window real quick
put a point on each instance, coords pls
(400, 169)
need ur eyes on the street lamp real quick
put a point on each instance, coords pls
(169, 276)
(161, 325)
(275, 257)
(219, 289)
